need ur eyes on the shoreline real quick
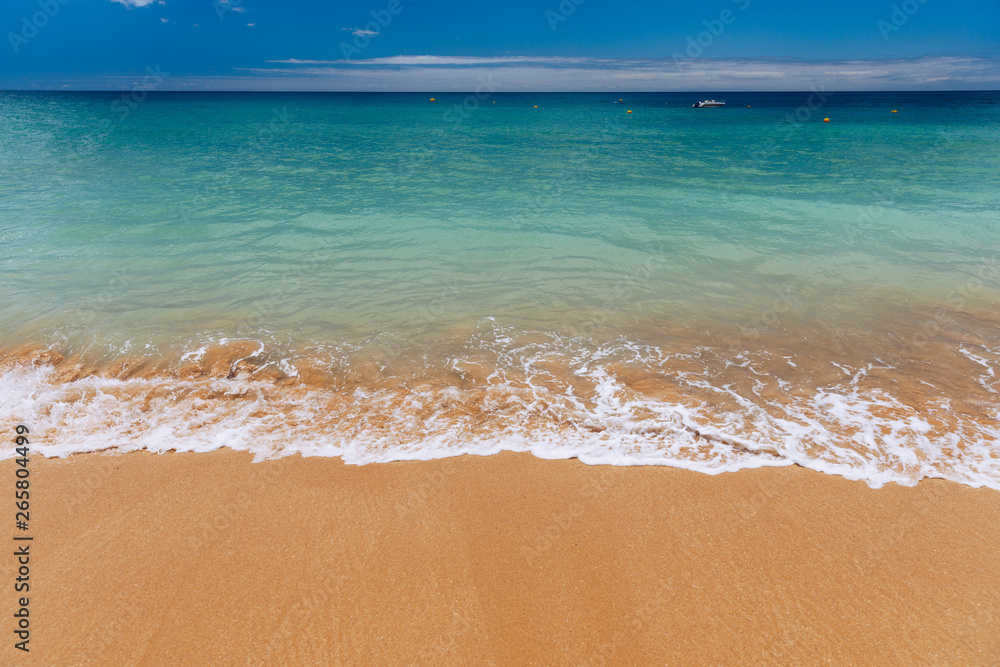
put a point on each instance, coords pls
(840, 413)
(504, 559)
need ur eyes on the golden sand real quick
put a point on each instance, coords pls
(211, 559)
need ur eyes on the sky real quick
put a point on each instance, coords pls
(517, 45)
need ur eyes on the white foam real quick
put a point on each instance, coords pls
(195, 355)
(846, 429)
(989, 379)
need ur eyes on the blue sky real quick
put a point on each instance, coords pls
(514, 45)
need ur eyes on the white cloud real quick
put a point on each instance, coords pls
(138, 3)
(540, 73)
(530, 73)
(445, 60)
(224, 6)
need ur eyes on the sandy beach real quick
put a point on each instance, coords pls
(509, 559)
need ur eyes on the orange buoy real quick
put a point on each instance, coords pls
(748, 106)
(433, 100)
(826, 120)
(629, 111)
(894, 111)
(536, 106)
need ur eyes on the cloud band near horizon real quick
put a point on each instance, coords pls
(428, 73)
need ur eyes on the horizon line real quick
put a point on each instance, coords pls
(495, 93)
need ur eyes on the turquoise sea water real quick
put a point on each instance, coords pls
(613, 272)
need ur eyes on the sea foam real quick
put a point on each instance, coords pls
(621, 403)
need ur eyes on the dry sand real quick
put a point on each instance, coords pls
(212, 559)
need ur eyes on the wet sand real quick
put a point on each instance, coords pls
(509, 559)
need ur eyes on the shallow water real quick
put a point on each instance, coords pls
(380, 277)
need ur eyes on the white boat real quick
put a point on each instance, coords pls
(708, 103)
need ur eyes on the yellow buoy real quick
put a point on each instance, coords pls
(536, 106)
(894, 111)
(826, 120)
(433, 100)
(629, 111)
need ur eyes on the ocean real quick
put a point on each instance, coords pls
(619, 278)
